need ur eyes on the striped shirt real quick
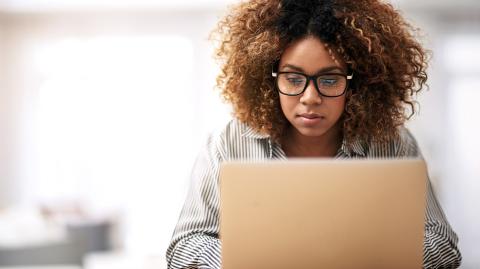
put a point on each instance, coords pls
(195, 242)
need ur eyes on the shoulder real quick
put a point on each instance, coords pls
(406, 144)
(403, 145)
(233, 131)
(237, 140)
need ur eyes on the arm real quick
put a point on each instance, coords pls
(195, 242)
(440, 241)
(195, 251)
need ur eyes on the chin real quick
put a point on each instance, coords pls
(309, 132)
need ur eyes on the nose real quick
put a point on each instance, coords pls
(311, 96)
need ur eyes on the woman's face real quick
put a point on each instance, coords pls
(310, 113)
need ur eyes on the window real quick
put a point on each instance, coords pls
(113, 129)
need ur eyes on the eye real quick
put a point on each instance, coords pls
(330, 81)
(295, 80)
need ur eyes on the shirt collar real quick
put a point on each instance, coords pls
(249, 132)
(357, 147)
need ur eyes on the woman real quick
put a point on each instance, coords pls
(310, 78)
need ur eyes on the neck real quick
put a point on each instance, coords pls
(297, 145)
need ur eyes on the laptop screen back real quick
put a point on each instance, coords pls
(323, 214)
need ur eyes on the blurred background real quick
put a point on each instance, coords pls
(105, 104)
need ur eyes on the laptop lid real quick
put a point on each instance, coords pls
(318, 213)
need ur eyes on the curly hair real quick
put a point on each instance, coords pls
(373, 39)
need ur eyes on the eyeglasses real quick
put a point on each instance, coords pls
(327, 84)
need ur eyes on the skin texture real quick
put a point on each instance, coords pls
(320, 135)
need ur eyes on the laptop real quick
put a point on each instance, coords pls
(319, 213)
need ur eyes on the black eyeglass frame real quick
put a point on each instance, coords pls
(314, 79)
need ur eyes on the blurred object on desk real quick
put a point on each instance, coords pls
(51, 236)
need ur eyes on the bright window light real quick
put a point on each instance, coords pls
(114, 129)
(462, 55)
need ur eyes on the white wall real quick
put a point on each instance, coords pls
(7, 188)
(61, 5)
(3, 118)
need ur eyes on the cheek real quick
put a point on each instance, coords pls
(336, 106)
(287, 104)
(339, 105)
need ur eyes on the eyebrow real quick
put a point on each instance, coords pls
(322, 70)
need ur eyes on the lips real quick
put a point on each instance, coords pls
(310, 116)
(310, 120)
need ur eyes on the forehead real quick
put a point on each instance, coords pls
(311, 54)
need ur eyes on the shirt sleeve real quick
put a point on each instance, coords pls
(440, 241)
(195, 242)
